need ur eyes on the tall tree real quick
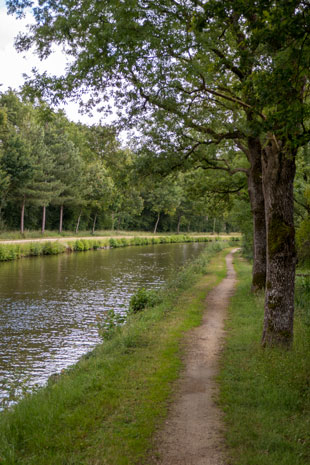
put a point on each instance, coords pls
(164, 197)
(68, 165)
(100, 189)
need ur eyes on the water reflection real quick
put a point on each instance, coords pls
(49, 305)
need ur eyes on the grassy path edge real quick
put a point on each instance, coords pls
(106, 409)
(265, 393)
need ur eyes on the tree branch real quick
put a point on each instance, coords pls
(228, 65)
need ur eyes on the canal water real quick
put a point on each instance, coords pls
(49, 305)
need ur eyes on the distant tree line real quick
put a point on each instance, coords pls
(56, 174)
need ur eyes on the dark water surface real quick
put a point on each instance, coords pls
(49, 305)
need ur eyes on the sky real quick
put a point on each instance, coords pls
(13, 65)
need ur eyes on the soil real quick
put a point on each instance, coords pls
(193, 432)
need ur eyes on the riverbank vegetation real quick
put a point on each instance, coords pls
(13, 251)
(106, 408)
(265, 393)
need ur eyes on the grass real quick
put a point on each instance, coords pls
(105, 409)
(12, 251)
(265, 393)
(37, 234)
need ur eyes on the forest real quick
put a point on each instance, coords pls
(61, 175)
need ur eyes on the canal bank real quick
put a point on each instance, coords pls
(105, 409)
(50, 306)
(12, 250)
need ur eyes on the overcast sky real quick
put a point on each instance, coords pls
(13, 64)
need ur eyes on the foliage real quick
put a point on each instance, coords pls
(81, 175)
(109, 323)
(53, 248)
(143, 298)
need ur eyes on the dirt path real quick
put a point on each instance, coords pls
(193, 431)
(63, 239)
(116, 236)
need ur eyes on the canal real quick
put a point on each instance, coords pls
(49, 305)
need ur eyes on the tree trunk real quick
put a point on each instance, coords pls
(22, 216)
(156, 224)
(214, 222)
(94, 223)
(278, 178)
(179, 223)
(112, 225)
(61, 215)
(255, 189)
(43, 219)
(78, 223)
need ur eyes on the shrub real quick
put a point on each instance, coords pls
(109, 323)
(155, 240)
(143, 298)
(35, 249)
(234, 241)
(78, 245)
(9, 252)
(53, 248)
(113, 242)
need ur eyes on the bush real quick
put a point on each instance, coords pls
(143, 298)
(234, 241)
(109, 324)
(9, 252)
(78, 245)
(113, 242)
(35, 249)
(53, 248)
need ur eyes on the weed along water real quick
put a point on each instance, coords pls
(49, 306)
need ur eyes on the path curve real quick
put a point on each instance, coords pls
(193, 432)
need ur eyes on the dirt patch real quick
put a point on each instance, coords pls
(193, 432)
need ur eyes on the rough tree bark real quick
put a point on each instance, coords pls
(94, 224)
(43, 219)
(61, 215)
(78, 223)
(22, 216)
(278, 177)
(255, 189)
(156, 224)
(179, 224)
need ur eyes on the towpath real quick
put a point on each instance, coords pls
(193, 432)
(116, 236)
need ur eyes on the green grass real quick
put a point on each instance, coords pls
(265, 393)
(12, 251)
(37, 234)
(105, 409)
